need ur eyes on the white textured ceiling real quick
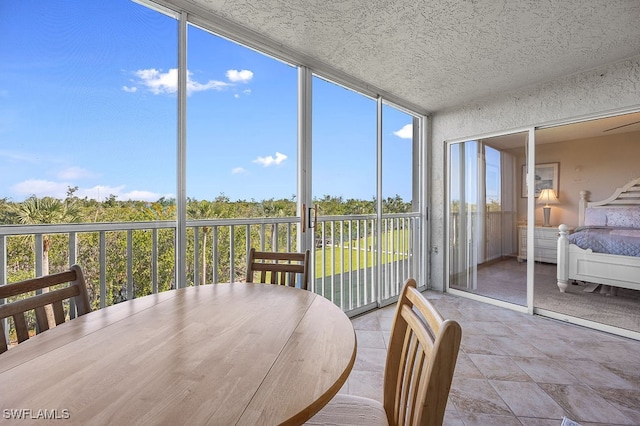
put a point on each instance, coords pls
(437, 54)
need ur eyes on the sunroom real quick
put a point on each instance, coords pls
(330, 122)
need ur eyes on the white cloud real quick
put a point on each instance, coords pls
(194, 86)
(45, 188)
(270, 161)
(141, 195)
(159, 82)
(242, 76)
(406, 132)
(71, 173)
(246, 92)
(18, 156)
(102, 192)
(41, 188)
(237, 170)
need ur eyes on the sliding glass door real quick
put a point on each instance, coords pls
(483, 220)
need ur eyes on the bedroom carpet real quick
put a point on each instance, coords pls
(620, 310)
(506, 280)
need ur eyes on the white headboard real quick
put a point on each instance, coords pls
(626, 197)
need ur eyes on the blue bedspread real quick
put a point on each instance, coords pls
(610, 240)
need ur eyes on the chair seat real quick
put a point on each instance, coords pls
(351, 410)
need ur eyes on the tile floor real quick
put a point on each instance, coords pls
(517, 369)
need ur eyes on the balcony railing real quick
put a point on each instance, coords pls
(131, 259)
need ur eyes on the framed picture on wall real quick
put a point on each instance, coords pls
(546, 176)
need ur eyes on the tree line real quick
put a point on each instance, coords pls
(72, 209)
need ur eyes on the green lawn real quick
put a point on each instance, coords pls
(345, 259)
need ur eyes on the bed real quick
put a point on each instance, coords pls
(609, 233)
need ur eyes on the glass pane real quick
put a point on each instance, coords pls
(241, 156)
(398, 228)
(397, 160)
(344, 184)
(463, 245)
(483, 226)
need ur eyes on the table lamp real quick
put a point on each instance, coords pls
(546, 197)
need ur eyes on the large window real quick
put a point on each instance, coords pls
(176, 182)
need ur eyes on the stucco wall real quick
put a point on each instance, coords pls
(612, 88)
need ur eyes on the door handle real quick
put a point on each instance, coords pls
(315, 216)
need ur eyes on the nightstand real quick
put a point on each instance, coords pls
(545, 243)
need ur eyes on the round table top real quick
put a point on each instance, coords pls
(214, 354)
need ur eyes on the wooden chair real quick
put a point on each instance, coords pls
(278, 268)
(76, 290)
(419, 369)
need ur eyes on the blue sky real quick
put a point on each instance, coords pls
(88, 99)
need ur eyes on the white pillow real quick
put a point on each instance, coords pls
(628, 217)
(595, 217)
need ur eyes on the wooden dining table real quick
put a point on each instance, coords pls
(220, 354)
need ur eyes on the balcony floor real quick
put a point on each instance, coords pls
(515, 368)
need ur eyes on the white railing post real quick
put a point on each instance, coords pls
(103, 269)
(3, 281)
(130, 294)
(563, 257)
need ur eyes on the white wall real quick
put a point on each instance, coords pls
(598, 165)
(612, 88)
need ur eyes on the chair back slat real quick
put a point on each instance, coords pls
(58, 312)
(41, 316)
(76, 290)
(421, 359)
(281, 268)
(22, 331)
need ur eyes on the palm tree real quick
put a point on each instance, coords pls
(46, 210)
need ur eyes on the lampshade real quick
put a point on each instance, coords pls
(547, 196)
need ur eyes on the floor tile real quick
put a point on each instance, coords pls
(516, 346)
(625, 400)
(584, 404)
(593, 374)
(499, 368)
(477, 396)
(370, 339)
(479, 419)
(370, 359)
(366, 383)
(545, 370)
(527, 399)
(477, 344)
